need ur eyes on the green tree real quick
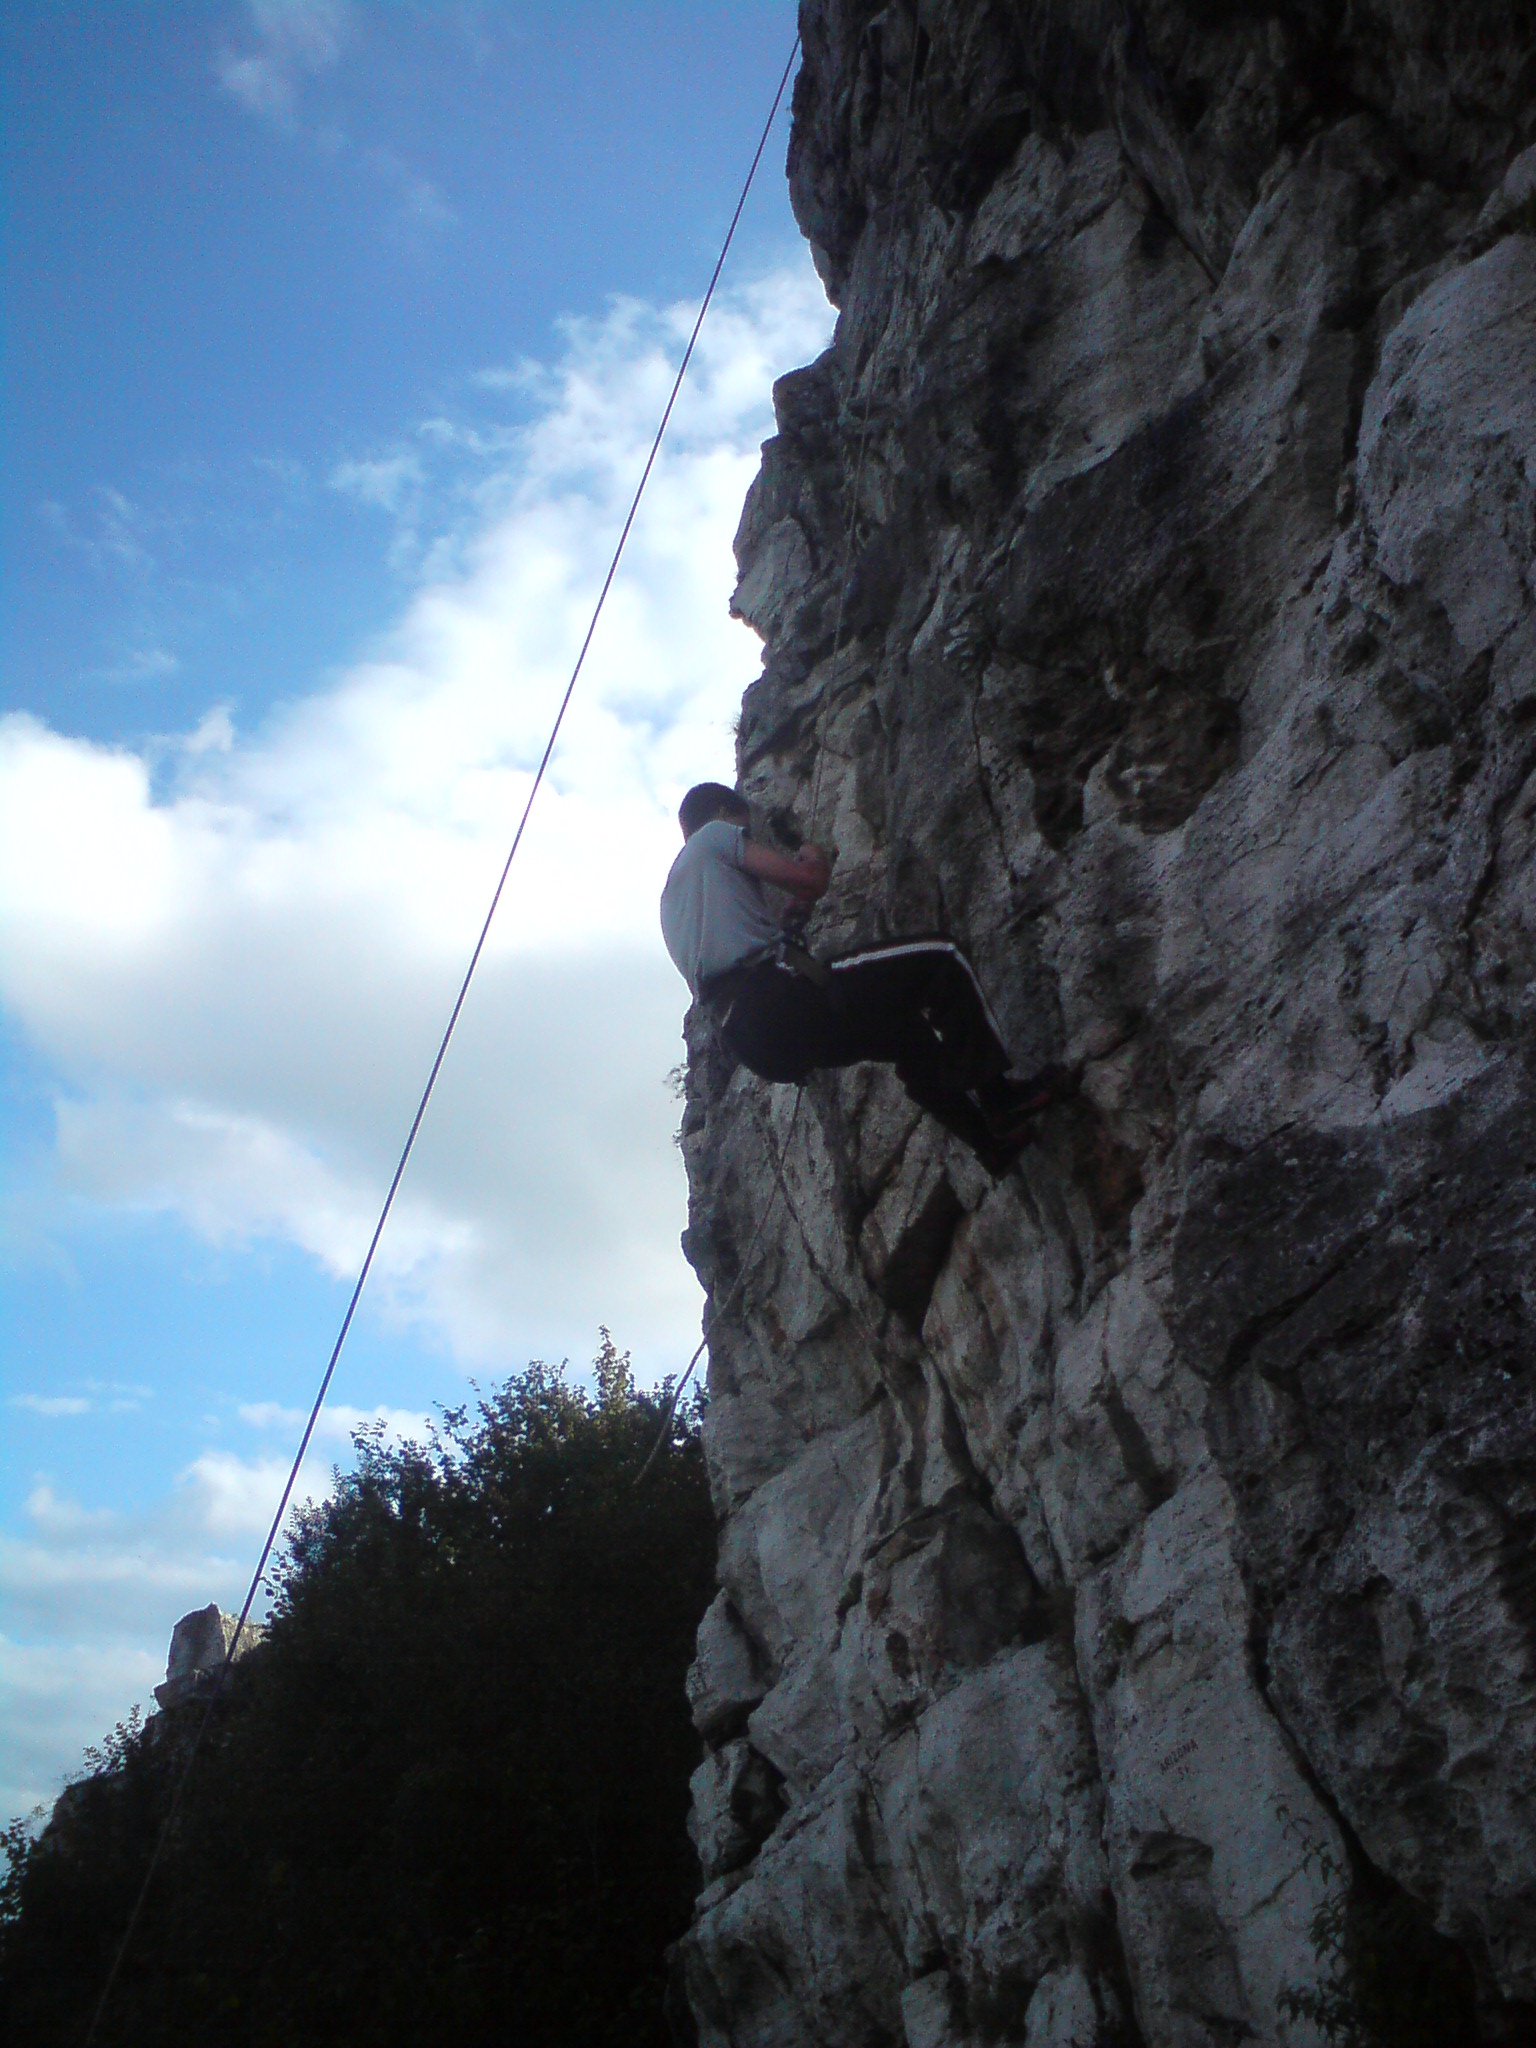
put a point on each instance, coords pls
(445, 1800)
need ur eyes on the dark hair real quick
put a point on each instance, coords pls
(707, 801)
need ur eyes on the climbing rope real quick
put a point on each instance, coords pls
(426, 1093)
(818, 741)
(670, 1405)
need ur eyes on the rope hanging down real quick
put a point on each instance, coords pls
(818, 741)
(442, 1051)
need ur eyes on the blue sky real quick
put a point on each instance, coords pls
(333, 338)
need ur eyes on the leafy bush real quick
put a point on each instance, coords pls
(445, 1800)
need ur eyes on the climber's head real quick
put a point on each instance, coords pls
(707, 801)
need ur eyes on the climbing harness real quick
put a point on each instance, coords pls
(216, 1689)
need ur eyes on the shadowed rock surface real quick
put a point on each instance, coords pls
(1125, 1560)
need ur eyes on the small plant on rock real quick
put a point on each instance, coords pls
(1386, 1979)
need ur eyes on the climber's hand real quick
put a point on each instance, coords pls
(817, 873)
(804, 875)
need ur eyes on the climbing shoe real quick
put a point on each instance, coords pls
(1008, 1104)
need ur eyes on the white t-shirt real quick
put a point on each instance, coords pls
(713, 913)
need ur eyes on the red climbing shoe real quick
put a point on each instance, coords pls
(1010, 1107)
(1051, 1085)
(1006, 1101)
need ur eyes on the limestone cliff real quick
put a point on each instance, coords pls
(1125, 1561)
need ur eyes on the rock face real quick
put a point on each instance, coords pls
(1123, 1562)
(199, 1645)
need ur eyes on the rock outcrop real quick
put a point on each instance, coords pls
(199, 1647)
(1127, 1572)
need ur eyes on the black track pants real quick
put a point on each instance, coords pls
(916, 1004)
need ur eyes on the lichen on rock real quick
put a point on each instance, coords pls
(1123, 1563)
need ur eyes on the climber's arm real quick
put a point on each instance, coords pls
(804, 875)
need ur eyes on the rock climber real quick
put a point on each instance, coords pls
(916, 1003)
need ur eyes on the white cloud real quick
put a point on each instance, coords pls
(121, 528)
(258, 81)
(213, 734)
(116, 1399)
(145, 665)
(311, 32)
(57, 1697)
(108, 1568)
(422, 204)
(114, 539)
(498, 377)
(338, 1422)
(54, 1516)
(383, 483)
(120, 1398)
(299, 40)
(91, 1572)
(240, 981)
(293, 37)
(236, 1497)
